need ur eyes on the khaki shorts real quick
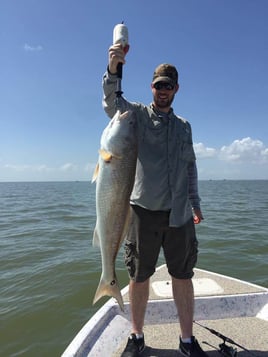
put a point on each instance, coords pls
(148, 232)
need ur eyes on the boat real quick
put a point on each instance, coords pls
(226, 310)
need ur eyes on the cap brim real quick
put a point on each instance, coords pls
(164, 79)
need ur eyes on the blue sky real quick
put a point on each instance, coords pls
(54, 53)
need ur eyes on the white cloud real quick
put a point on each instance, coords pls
(17, 167)
(265, 154)
(29, 48)
(245, 150)
(43, 168)
(68, 167)
(202, 152)
(40, 168)
(20, 168)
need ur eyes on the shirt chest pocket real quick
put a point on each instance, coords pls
(186, 151)
(184, 142)
(155, 136)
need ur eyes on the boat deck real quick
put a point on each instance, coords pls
(250, 332)
(205, 284)
(162, 340)
(234, 308)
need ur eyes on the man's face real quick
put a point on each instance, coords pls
(163, 95)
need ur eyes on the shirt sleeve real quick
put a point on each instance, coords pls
(193, 185)
(109, 101)
(109, 96)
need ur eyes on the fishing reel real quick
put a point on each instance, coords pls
(224, 350)
(227, 351)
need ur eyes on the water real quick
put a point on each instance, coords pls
(50, 271)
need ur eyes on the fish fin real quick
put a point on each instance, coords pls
(96, 239)
(125, 114)
(106, 289)
(105, 155)
(96, 172)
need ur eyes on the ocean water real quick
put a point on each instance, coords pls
(50, 271)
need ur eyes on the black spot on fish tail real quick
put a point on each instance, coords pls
(109, 289)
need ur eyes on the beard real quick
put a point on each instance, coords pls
(163, 103)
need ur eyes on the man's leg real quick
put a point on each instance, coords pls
(181, 248)
(183, 294)
(138, 295)
(142, 246)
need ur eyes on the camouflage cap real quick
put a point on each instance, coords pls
(166, 73)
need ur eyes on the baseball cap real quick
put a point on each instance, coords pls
(166, 73)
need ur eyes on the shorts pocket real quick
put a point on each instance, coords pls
(131, 256)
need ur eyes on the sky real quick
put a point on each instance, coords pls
(53, 54)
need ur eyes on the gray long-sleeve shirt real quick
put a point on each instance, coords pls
(166, 174)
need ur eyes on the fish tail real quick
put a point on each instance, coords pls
(112, 289)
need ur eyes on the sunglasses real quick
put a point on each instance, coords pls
(163, 85)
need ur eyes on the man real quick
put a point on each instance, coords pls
(163, 202)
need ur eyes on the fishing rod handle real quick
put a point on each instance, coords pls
(119, 70)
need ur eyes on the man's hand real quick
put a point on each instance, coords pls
(116, 55)
(198, 217)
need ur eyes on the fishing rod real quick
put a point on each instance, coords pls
(225, 350)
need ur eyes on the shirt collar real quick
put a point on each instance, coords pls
(159, 113)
